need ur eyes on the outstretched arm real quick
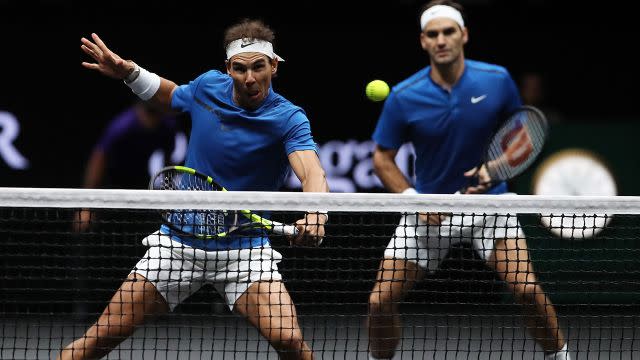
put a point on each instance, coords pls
(307, 167)
(146, 85)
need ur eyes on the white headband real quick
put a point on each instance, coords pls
(441, 11)
(247, 45)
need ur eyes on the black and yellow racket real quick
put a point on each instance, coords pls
(514, 146)
(208, 224)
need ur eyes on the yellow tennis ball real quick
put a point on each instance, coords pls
(377, 90)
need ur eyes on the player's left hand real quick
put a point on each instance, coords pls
(483, 180)
(310, 230)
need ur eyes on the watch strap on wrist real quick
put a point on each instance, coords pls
(133, 75)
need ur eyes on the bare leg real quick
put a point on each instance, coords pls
(132, 303)
(268, 306)
(511, 261)
(394, 280)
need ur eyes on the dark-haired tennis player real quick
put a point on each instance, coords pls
(245, 136)
(448, 111)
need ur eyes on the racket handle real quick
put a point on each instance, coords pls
(283, 229)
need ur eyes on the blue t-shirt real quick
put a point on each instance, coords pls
(449, 130)
(243, 150)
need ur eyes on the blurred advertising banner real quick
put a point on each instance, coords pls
(349, 166)
(9, 132)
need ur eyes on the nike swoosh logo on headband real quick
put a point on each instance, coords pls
(245, 45)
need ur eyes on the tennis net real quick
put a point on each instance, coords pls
(65, 252)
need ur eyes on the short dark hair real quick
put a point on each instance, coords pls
(453, 4)
(251, 29)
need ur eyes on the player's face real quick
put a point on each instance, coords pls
(251, 73)
(444, 40)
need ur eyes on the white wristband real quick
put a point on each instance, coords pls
(409, 191)
(145, 85)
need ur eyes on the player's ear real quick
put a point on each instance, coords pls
(465, 35)
(274, 66)
(423, 41)
(227, 64)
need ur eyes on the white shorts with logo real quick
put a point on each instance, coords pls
(427, 245)
(178, 271)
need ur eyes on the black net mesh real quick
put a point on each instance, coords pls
(576, 278)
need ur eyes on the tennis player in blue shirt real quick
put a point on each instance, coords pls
(245, 136)
(120, 158)
(448, 111)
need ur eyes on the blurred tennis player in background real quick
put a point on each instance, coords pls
(121, 158)
(448, 111)
(245, 136)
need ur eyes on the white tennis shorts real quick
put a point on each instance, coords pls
(427, 245)
(178, 271)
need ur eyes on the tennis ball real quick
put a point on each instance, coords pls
(377, 90)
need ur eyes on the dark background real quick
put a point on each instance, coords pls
(332, 49)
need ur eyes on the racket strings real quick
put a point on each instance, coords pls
(204, 223)
(200, 223)
(516, 145)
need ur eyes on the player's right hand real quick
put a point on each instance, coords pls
(310, 230)
(483, 179)
(108, 62)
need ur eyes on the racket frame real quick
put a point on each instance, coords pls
(485, 156)
(256, 221)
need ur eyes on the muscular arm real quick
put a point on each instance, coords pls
(388, 171)
(307, 167)
(164, 94)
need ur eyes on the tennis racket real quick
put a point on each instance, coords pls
(208, 224)
(514, 146)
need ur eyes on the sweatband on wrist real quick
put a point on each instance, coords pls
(409, 191)
(145, 85)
